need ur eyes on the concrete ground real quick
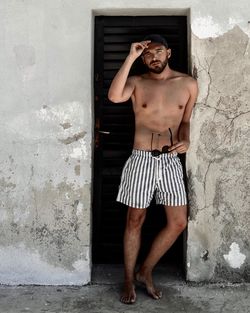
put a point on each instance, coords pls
(102, 296)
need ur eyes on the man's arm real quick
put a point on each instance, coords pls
(184, 130)
(122, 87)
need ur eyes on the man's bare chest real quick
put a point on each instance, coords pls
(161, 95)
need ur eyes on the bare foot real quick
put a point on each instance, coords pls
(128, 295)
(147, 281)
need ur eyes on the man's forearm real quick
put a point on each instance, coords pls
(184, 132)
(117, 86)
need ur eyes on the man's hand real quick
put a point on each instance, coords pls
(179, 147)
(137, 48)
(122, 86)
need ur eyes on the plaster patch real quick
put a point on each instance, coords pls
(79, 153)
(67, 196)
(22, 266)
(3, 215)
(49, 122)
(235, 258)
(62, 113)
(81, 265)
(79, 209)
(232, 21)
(204, 27)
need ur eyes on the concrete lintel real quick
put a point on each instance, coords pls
(142, 11)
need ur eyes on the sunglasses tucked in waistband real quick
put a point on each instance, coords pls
(165, 149)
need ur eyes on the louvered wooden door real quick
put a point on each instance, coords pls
(114, 128)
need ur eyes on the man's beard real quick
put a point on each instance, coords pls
(159, 68)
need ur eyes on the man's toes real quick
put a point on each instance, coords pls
(124, 300)
(132, 299)
(156, 294)
(128, 300)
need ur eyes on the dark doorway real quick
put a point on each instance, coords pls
(114, 128)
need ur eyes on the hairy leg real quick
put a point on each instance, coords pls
(132, 241)
(176, 223)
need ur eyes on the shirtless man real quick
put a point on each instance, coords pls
(163, 100)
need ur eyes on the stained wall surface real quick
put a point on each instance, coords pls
(218, 161)
(46, 122)
(46, 140)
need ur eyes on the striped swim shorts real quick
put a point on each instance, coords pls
(145, 176)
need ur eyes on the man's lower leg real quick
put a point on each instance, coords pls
(132, 239)
(160, 246)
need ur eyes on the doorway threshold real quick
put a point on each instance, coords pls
(110, 274)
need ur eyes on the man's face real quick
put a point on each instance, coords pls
(155, 57)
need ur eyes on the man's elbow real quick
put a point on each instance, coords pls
(114, 98)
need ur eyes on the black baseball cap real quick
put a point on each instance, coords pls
(157, 39)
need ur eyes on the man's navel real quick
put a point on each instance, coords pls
(180, 107)
(144, 105)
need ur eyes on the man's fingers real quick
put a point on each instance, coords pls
(178, 144)
(178, 151)
(146, 42)
(142, 44)
(179, 147)
(139, 47)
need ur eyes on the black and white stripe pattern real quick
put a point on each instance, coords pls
(144, 176)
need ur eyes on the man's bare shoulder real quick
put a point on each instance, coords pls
(185, 79)
(134, 79)
(182, 76)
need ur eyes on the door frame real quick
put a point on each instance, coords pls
(134, 12)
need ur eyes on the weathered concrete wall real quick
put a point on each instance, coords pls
(46, 137)
(218, 162)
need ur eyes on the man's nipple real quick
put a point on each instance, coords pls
(144, 105)
(180, 107)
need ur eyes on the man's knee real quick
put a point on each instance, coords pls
(177, 218)
(135, 218)
(179, 225)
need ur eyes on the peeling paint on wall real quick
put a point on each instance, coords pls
(32, 269)
(217, 162)
(74, 138)
(46, 135)
(58, 224)
(77, 170)
(205, 27)
(66, 125)
(235, 258)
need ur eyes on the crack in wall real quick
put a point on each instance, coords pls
(219, 188)
(223, 112)
(208, 70)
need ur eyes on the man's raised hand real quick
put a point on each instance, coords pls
(137, 48)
